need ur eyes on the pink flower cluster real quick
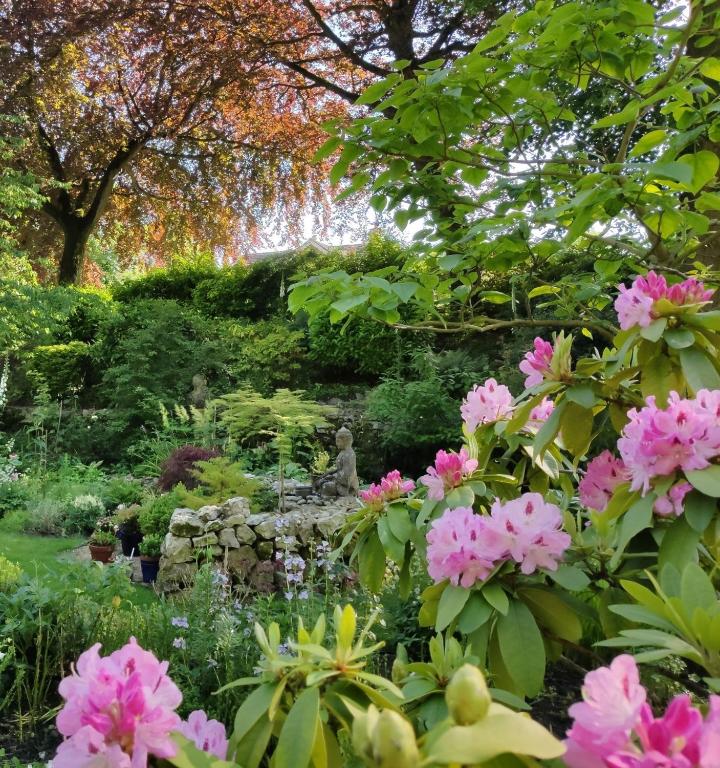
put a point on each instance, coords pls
(486, 403)
(450, 471)
(541, 413)
(464, 547)
(614, 727)
(390, 487)
(636, 305)
(684, 436)
(536, 364)
(120, 709)
(602, 476)
(207, 735)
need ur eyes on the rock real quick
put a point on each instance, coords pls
(262, 578)
(185, 523)
(174, 576)
(289, 543)
(244, 533)
(330, 525)
(236, 519)
(305, 530)
(208, 540)
(227, 538)
(209, 512)
(216, 525)
(267, 529)
(238, 505)
(175, 549)
(258, 519)
(265, 549)
(241, 562)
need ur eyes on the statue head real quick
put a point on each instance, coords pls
(199, 380)
(343, 438)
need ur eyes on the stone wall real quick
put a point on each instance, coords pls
(244, 544)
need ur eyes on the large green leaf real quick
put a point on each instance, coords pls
(698, 369)
(189, 756)
(452, 601)
(371, 560)
(706, 480)
(295, 745)
(636, 519)
(522, 648)
(679, 544)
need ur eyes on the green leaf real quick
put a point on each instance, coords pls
(706, 480)
(372, 562)
(655, 330)
(576, 430)
(189, 756)
(570, 577)
(496, 596)
(495, 297)
(297, 737)
(547, 433)
(626, 115)
(522, 648)
(679, 338)
(394, 548)
(399, 521)
(461, 496)
(636, 519)
(696, 589)
(698, 369)
(704, 165)
(475, 613)
(710, 67)
(492, 736)
(543, 290)
(252, 710)
(647, 142)
(699, 510)
(582, 394)
(552, 612)
(679, 544)
(452, 601)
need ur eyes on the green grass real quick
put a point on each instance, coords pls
(43, 556)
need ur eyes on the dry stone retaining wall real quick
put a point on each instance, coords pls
(245, 544)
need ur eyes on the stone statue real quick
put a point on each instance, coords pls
(342, 480)
(199, 394)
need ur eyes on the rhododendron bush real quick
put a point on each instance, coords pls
(528, 515)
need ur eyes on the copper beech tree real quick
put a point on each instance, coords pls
(142, 117)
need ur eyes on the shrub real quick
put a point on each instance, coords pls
(82, 514)
(150, 545)
(120, 490)
(9, 574)
(179, 466)
(218, 480)
(173, 283)
(155, 514)
(63, 367)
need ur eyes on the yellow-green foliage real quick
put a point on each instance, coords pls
(9, 574)
(220, 480)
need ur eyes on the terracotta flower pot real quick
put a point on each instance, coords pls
(101, 553)
(149, 567)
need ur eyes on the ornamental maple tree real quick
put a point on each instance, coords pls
(141, 116)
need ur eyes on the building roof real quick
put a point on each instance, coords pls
(309, 245)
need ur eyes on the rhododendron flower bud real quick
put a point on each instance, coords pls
(467, 695)
(486, 404)
(450, 471)
(127, 699)
(602, 476)
(393, 742)
(672, 503)
(207, 735)
(536, 364)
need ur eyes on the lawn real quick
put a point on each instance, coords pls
(48, 557)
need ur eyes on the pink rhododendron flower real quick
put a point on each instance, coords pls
(126, 699)
(373, 497)
(541, 412)
(449, 472)
(612, 700)
(460, 548)
(672, 503)
(529, 529)
(390, 487)
(602, 476)
(657, 442)
(485, 404)
(614, 727)
(636, 305)
(393, 485)
(207, 735)
(536, 364)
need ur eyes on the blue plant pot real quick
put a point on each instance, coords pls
(149, 568)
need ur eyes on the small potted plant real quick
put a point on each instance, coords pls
(150, 556)
(129, 531)
(102, 545)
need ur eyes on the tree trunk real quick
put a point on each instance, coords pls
(76, 233)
